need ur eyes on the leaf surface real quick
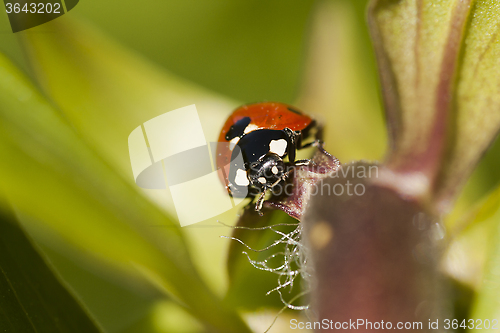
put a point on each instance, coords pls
(440, 84)
(52, 175)
(32, 298)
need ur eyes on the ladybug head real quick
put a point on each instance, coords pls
(267, 172)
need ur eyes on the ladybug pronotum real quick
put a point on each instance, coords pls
(267, 135)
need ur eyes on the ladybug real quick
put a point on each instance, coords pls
(266, 136)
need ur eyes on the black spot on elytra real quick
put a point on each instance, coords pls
(238, 128)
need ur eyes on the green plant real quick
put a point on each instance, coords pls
(66, 174)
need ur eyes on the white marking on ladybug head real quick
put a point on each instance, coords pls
(241, 178)
(274, 170)
(278, 147)
(250, 128)
(233, 142)
(262, 180)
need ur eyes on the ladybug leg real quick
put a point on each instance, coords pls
(259, 203)
(303, 162)
(260, 200)
(316, 143)
(291, 153)
(283, 178)
(293, 138)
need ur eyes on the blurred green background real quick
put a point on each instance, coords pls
(244, 49)
(315, 54)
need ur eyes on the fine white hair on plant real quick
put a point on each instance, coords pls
(290, 262)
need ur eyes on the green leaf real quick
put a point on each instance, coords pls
(51, 175)
(477, 97)
(417, 44)
(486, 304)
(32, 299)
(474, 255)
(105, 91)
(440, 76)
